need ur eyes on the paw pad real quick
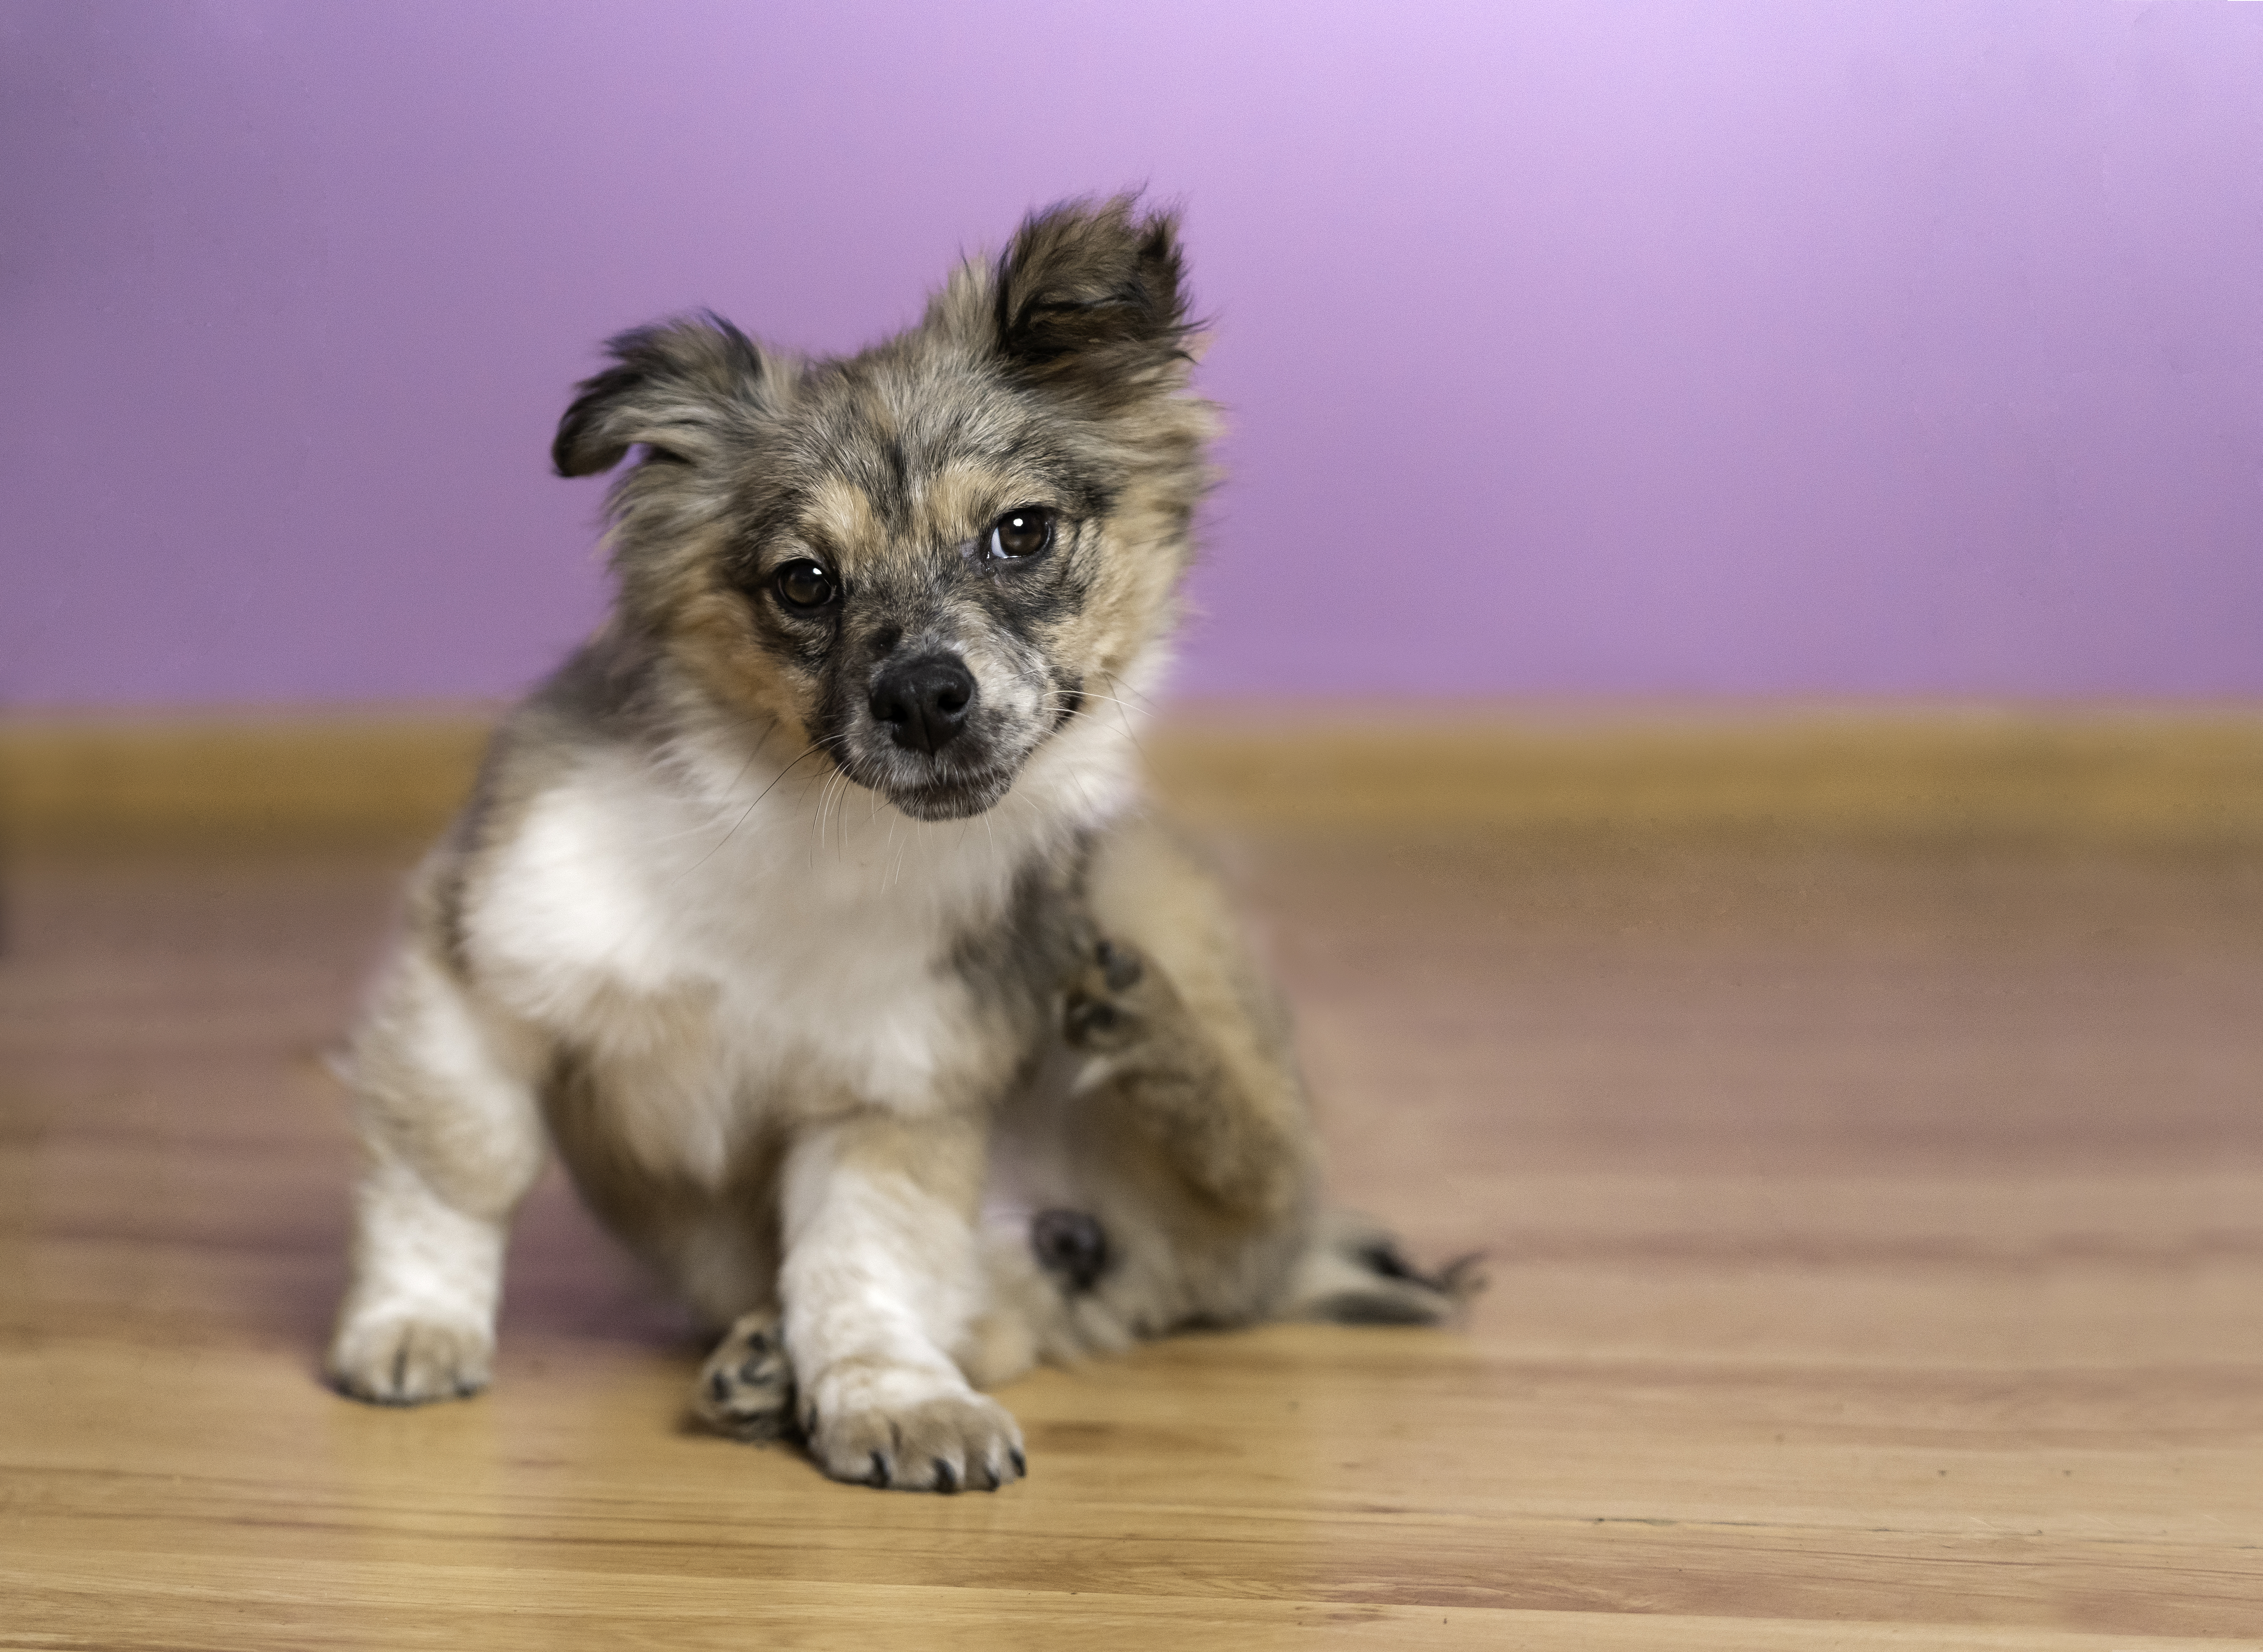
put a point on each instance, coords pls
(1095, 1014)
(746, 1388)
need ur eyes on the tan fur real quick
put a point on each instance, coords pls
(809, 930)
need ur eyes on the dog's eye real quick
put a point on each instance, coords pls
(805, 585)
(1020, 534)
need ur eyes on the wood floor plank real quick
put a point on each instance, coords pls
(1877, 1251)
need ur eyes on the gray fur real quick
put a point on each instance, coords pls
(1001, 499)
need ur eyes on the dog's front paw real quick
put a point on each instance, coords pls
(1113, 997)
(745, 1387)
(949, 1440)
(398, 1360)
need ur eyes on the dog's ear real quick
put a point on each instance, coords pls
(1090, 300)
(680, 388)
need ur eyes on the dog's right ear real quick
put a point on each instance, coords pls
(680, 389)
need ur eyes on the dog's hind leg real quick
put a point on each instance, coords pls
(1192, 1196)
(1187, 1138)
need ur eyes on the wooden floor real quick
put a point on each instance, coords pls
(1877, 1243)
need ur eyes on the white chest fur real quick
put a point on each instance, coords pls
(729, 940)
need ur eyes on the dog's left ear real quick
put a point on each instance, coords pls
(1090, 302)
(681, 389)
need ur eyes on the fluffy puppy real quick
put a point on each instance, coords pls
(810, 906)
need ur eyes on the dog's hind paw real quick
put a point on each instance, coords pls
(745, 1387)
(1114, 999)
(1356, 1275)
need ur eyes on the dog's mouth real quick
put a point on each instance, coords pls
(932, 789)
(956, 797)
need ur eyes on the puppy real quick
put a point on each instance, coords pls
(809, 909)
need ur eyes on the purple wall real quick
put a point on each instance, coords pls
(1574, 346)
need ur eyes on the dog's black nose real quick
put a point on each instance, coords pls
(1070, 1243)
(922, 702)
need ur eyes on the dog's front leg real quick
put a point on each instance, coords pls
(881, 1281)
(444, 1105)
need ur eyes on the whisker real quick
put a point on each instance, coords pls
(1122, 707)
(1061, 702)
(693, 831)
(840, 799)
(814, 745)
(1128, 689)
(824, 807)
(1077, 780)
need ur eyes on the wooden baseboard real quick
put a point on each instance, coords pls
(2168, 776)
(255, 781)
(2173, 776)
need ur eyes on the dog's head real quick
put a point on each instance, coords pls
(929, 557)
